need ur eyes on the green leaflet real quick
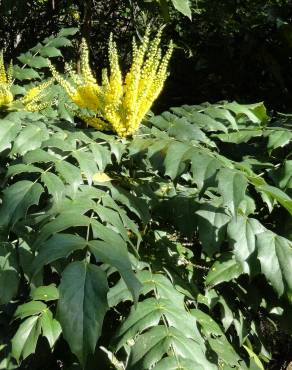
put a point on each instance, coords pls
(275, 256)
(82, 306)
(9, 272)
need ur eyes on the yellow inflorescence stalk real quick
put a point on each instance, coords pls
(119, 104)
(6, 96)
(30, 101)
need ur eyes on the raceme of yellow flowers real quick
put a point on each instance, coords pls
(31, 101)
(119, 104)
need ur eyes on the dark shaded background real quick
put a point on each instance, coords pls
(232, 49)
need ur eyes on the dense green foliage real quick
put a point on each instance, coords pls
(168, 250)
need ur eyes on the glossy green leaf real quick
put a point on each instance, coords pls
(30, 138)
(50, 51)
(113, 250)
(29, 309)
(151, 346)
(8, 132)
(275, 256)
(232, 185)
(242, 232)
(25, 340)
(82, 306)
(17, 200)
(54, 186)
(9, 274)
(58, 246)
(33, 61)
(224, 271)
(212, 222)
(51, 329)
(45, 293)
(173, 158)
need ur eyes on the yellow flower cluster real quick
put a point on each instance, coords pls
(31, 101)
(119, 104)
(6, 96)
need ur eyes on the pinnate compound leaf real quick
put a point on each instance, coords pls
(216, 338)
(17, 200)
(256, 113)
(239, 137)
(150, 282)
(82, 306)
(149, 312)
(62, 222)
(275, 256)
(39, 319)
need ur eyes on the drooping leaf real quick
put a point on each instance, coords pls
(8, 132)
(51, 329)
(82, 306)
(9, 274)
(275, 256)
(212, 222)
(54, 185)
(242, 232)
(113, 250)
(232, 185)
(17, 200)
(25, 340)
(224, 271)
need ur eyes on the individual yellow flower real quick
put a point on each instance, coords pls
(119, 103)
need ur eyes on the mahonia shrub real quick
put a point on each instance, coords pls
(171, 250)
(119, 104)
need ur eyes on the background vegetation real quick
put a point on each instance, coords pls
(238, 49)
